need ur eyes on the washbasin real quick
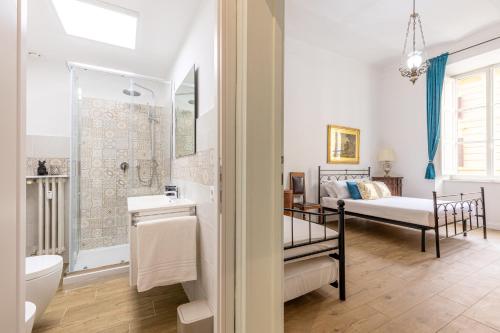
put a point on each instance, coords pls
(153, 202)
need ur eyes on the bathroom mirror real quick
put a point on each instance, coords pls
(185, 115)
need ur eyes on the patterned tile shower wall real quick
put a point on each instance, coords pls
(113, 132)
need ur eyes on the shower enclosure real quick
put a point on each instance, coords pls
(120, 147)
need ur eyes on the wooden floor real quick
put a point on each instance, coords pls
(393, 287)
(112, 306)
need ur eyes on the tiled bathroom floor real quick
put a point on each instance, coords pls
(112, 306)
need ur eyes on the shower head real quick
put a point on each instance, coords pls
(133, 93)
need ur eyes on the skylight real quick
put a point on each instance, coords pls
(98, 21)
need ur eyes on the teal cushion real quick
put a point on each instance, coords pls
(354, 190)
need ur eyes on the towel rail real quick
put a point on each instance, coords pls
(138, 217)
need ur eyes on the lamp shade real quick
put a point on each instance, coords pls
(386, 154)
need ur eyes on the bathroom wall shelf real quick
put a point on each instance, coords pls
(30, 179)
(48, 176)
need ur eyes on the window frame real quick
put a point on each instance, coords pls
(452, 140)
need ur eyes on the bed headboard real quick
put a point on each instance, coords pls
(324, 175)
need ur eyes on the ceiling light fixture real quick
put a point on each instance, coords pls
(98, 21)
(414, 61)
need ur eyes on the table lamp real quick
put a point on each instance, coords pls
(386, 157)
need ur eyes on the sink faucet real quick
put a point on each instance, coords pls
(172, 191)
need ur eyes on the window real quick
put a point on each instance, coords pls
(471, 124)
(98, 21)
(496, 121)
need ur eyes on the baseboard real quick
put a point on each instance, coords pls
(494, 226)
(93, 275)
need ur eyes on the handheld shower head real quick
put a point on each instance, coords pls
(133, 93)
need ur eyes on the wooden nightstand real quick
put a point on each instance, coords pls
(395, 184)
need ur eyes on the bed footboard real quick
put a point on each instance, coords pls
(335, 250)
(462, 213)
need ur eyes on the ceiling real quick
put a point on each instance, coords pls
(373, 30)
(162, 27)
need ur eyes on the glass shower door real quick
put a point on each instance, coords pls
(101, 157)
(120, 148)
(74, 205)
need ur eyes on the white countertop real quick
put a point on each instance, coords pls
(156, 202)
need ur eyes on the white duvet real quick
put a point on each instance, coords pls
(404, 209)
(308, 275)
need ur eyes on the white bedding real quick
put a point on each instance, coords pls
(301, 236)
(308, 275)
(404, 209)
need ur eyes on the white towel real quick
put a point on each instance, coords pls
(166, 252)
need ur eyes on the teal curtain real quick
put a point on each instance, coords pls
(435, 79)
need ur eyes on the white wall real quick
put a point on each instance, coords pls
(48, 98)
(199, 50)
(322, 88)
(12, 221)
(402, 121)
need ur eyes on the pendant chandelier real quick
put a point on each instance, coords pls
(414, 60)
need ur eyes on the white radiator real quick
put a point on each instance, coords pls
(51, 215)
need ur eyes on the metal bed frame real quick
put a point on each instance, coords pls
(455, 207)
(339, 253)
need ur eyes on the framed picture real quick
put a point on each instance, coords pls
(343, 145)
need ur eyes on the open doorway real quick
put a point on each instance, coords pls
(122, 131)
(381, 116)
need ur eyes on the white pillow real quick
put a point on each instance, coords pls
(340, 188)
(323, 189)
(382, 189)
(330, 189)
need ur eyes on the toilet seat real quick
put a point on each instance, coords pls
(39, 266)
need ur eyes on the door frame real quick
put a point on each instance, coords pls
(226, 88)
(12, 133)
(251, 37)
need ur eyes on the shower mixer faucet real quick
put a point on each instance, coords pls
(124, 166)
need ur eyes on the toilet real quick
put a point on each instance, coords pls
(43, 274)
(29, 315)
